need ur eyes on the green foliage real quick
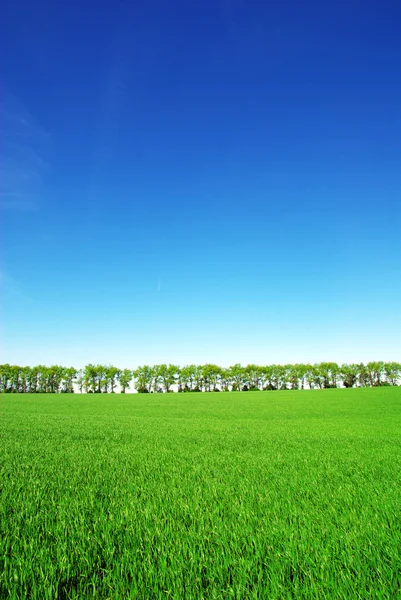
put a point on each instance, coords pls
(144, 378)
(163, 378)
(166, 376)
(269, 495)
(392, 372)
(124, 379)
(349, 375)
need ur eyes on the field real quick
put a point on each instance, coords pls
(221, 495)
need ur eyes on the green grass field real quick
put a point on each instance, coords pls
(231, 495)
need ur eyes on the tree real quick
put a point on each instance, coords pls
(112, 376)
(266, 377)
(349, 375)
(279, 377)
(55, 376)
(80, 380)
(237, 377)
(124, 379)
(198, 374)
(166, 375)
(327, 373)
(33, 380)
(186, 378)
(144, 379)
(363, 375)
(90, 378)
(253, 375)
(15, 381)
(69, 377)
(5, 378)
(392, 371)
(102, 379)
(310, 375)
(296, 376)
(293, 376)
(375, 373)
(210, 376)
(334, 374)
(24, 379)
(225, 380)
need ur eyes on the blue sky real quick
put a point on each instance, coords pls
(214, 181)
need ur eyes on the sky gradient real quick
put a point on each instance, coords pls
(200, 182)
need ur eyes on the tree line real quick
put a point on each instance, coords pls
(196, 378)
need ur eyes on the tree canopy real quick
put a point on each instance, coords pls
(195, 378)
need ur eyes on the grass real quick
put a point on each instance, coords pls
(231, 495)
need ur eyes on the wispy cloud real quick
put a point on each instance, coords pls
(23, 166)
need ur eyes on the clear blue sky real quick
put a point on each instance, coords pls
(213, 181)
